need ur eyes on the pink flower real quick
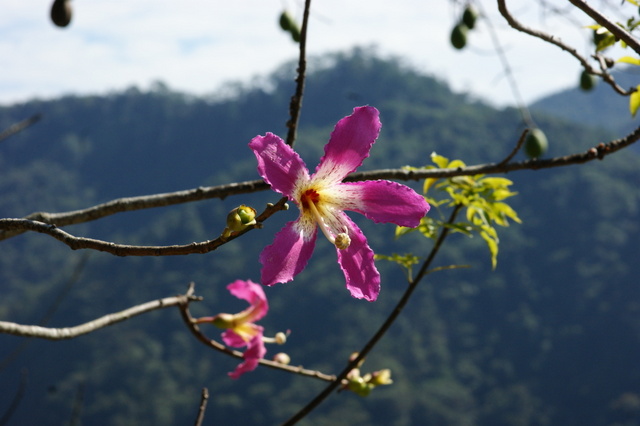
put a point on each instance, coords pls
(323, 197)
(240, 328)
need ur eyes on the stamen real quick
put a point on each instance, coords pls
(321, 224)
(341, 241)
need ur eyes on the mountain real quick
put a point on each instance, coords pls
(601, 107)
(550, 337)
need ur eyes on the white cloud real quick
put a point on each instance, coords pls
(196, 45)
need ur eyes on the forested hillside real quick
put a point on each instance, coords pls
(600, 106)
(551, 337)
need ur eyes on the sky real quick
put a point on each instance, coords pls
(200, 46)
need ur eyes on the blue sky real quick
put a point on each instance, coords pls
(197, 46)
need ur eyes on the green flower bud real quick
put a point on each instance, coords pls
(359, 387)
(239, 219)
(382, 377)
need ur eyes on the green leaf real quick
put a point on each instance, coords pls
(629, 60)
(440, 161)
(497, 182)
(406, 261)
(493, 248)
(634, 101)
(428, 183)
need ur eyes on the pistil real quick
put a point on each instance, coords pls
(341, 241)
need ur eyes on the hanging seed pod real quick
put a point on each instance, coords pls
(286, 21)
(470, 16)
(459, 36)
(536, 143)
(61, 13)
(587, 81)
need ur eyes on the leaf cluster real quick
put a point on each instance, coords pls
(481, 196)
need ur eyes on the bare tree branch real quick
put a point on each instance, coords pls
(17, 398)
(37, 221)
(77, 243)
(88, 327)
(71, 281)
(295, 105)
(368, 347)
(195, 330)
(204, 398)
(18, 127)
(615, 29)
(550, 38)
(127, 204)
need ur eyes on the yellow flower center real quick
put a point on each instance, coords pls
(309, 200)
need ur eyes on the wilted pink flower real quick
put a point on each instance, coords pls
(241, 329)
(323, 197)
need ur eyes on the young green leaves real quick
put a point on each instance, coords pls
(481, 196)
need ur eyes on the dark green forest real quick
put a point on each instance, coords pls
(550, 337)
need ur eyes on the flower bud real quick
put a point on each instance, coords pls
(359, 386)
(281, 338)
(282, 358)
(239, 219)
(381, 377)
(353, 356)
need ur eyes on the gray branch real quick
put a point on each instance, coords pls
(552, 39)
(88, 327)
(47, 223)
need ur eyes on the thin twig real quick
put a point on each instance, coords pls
(516, 148)
(88, 327)
(204, 398)
(44, 320)
(552, 39)
(78, 404)
(192, 325)
(77, 243)
(20, 126)
(615, 29)
(128, 204)
(383, 328)
(121, 205)
(295, 105)
(17, 398)
(513, 83)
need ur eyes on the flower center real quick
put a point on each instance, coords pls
(309, 200)
(310, 196)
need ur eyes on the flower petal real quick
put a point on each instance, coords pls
(255, 351)
(278, 164)
(231, 338)
(252, 293)
(241, 334)
(349, 144)
(356, 261)
(384, 201)
(288, 255)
